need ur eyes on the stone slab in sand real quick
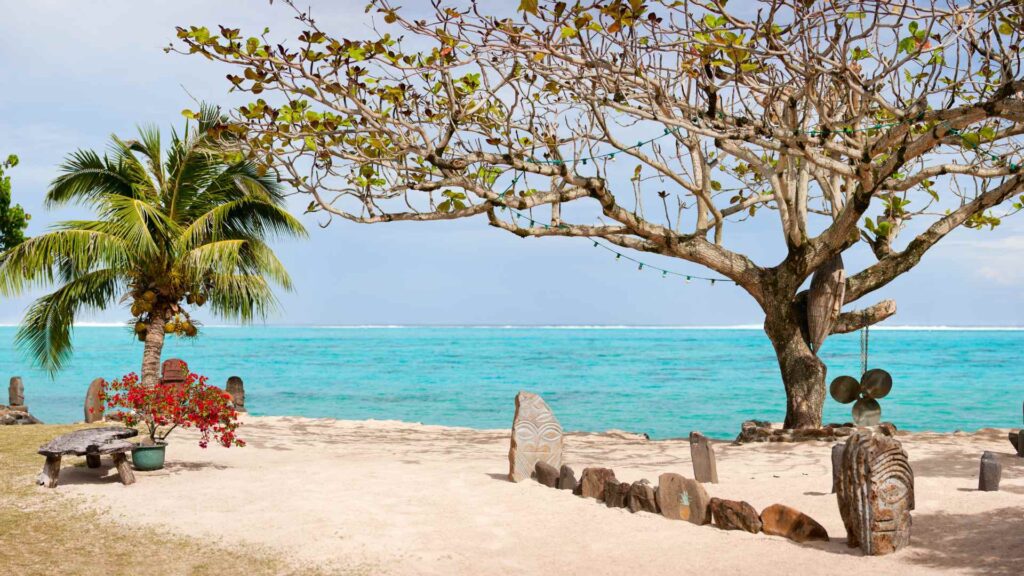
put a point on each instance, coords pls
(398, 498)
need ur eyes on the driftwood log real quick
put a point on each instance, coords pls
(91, 443)
(875, 493)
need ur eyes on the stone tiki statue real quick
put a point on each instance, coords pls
(536, 436)
(875, 493)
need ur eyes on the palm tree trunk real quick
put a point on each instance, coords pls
(153, 348)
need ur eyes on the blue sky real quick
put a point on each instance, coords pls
(76, 72)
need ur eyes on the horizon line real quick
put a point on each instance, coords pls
(908, 327)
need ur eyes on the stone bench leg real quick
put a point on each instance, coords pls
(123, 469)
(92, 460)
(51, 470)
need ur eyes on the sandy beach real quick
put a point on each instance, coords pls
(386, 497)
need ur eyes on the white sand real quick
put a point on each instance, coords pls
(399, 498)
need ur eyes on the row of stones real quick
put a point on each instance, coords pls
(762, 431)
(679, 498)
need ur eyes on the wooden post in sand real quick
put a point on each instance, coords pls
(705, 469)
(16, 392)
(236, 388)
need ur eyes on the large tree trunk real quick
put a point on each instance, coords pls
(803, 373)
(153, 348)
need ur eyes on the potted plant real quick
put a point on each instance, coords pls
(164, 407)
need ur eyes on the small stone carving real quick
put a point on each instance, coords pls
(547, 474)
(174, 371)
(733, 515)
(1017, 439)
(990, 474)
(566, 478)
(236, 388)
(780, 520)
(536, 436)
(876, 493)
(642, 497)
(94, 404)
(592, 482)
(681, 498)
(837, 464)
(703, 455)
(615, 493)
(16, 392)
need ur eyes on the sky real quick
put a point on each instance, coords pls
(76, 72)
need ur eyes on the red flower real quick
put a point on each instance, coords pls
(164, 407)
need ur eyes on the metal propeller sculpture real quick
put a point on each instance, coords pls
(874, 384)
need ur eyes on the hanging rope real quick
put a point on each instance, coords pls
(864, 349)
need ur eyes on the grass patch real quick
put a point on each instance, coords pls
(42, 532)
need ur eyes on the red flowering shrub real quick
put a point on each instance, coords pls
(164, 407)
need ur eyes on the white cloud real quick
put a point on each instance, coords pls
(999, 260)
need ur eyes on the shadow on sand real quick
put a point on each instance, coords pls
(983, 543)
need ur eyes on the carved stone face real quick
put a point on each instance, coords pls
(890, 518)
(876, 493)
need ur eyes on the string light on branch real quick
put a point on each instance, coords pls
(823, 132)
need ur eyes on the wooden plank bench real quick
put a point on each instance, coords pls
(91, 443)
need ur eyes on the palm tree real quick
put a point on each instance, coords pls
(171, 234)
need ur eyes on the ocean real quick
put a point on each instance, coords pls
(663, 381)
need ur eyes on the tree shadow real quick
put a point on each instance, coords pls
(983, 543)
(74, 475)
(946, 467)
(178, 467)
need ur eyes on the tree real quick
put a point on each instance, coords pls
(883, 125)
(13, 219)
(172, 232)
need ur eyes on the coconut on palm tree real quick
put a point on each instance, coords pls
(173, 231)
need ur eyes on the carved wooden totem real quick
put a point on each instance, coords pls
(875, 493)
(174, 371)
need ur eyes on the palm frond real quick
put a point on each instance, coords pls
(46, 331)
(148, 145)
(37, 261)
(87, 177)
(142, 225)
(242, 297)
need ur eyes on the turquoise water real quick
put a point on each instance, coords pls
(665, 382)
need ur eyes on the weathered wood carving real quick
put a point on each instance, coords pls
(875, 493)
(16, 392)
(94, 404)
(236, 388)
(705, 469)
(173, 371)
(825, 300)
